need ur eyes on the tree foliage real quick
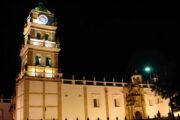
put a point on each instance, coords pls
(167, 84)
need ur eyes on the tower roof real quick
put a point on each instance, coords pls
(135, 72)
(41, 7)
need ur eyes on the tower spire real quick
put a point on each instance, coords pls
(40, 39)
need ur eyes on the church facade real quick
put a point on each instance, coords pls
(43, 94)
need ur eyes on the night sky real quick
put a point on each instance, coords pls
(109, 39)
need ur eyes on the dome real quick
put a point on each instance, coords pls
(41, 7)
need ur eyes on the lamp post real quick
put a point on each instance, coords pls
(148, 71)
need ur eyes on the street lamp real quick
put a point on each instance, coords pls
(148, 69)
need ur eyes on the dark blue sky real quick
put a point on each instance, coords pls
(97, 38)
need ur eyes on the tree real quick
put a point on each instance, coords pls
(167, 84)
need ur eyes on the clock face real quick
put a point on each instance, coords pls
(43, 19)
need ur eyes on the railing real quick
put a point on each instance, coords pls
(43, 74)
(50, 44)
(40, 71)
(2, 100)
(91, 82)
(36, 42)
(98, 83)
(39, 42)
(39, 75)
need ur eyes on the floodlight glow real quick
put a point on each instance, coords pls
(147, 69)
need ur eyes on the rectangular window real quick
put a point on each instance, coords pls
(48, 61)
(157, 101)
(96, 103)
(160, 100)
(116, 102)
(38, 60)
(150, 102)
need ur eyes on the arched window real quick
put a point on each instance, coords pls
(46, 37)
(77, 118)
(138, 115)
(38, 36)
(25, 66)
(98, 118)
(29, 36)
(37, 60)
(25, 63)
(117, 118)
(65, 118)
(48, 62)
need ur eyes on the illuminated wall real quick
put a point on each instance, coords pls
(155, 103)
(35, 100)
(85, 101)
(116, 110)
(42, 95)
(72, 102)
(20, 101)
(43, 99)
(96, 94)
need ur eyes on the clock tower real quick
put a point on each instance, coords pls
(38, 83)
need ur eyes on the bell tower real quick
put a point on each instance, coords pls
(39, 55)
(134, 98)
(38, 83)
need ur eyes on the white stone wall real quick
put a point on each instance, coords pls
(20, 101)
(96, 92)
(43, 98)
(153, 104)
(51, 100)
(35, 113)
(163, 106)
(20, 89)
(116, 111)
(35, 87)
(51, 112)
(81, 101)
(35, 100)
(51, 87)
(72, 102)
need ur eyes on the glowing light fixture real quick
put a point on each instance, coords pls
(148, 69)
